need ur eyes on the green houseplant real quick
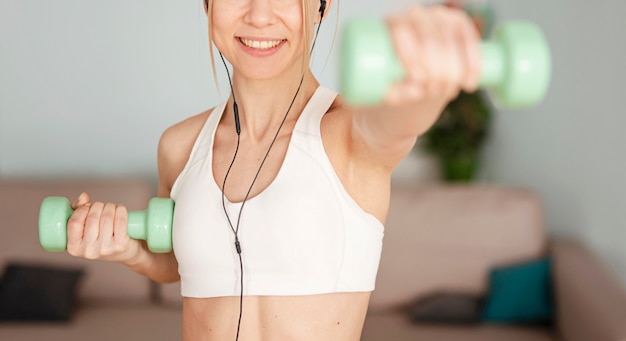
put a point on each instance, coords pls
(457, 138)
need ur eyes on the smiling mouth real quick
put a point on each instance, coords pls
(260, 44)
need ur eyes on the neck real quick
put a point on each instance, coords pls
(263, 104)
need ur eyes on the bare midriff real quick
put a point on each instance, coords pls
(329, 317)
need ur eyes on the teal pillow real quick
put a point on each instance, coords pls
(520, 293)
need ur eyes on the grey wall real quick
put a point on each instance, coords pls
(571, 148)
(87, 87)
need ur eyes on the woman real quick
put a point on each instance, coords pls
(281, 191)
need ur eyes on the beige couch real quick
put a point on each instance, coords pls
(448, 238)
(437, 238)
(113, 302)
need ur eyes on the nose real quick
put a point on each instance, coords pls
(260, 13)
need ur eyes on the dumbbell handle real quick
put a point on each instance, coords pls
(142, 225)
(137, 224)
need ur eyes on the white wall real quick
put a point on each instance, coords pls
(87, 87)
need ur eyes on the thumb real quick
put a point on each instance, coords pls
(82, 200)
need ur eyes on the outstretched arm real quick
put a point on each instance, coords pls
(439, 48)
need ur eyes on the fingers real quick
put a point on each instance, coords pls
(439, 48)
(83, 199)
(76, 229)
(471, 41)
(92, 229)
(107, 220)
(403, 31)
(435, 45)
(413, 86)
(98, 230)
(120, 229)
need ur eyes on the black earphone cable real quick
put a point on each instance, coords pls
(235, 228)
(235, 231)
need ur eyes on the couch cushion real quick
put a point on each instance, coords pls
(397, 327)
(19, 210)
(448, 238)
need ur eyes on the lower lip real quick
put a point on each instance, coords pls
(260, 52)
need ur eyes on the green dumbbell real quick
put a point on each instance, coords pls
(516, 64)
(153, 225)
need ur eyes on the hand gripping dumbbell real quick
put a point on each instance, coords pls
(516, 64)
(153, 225)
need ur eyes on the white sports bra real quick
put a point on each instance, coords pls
(302, 235)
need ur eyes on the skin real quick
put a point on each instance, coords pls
(440, 50)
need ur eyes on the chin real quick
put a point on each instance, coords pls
(265, 72)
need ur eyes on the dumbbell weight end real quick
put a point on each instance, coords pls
(158, 219)
(53, 215)
(516, 65)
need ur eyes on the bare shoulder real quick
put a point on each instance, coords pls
(182, 135)
(367, 182)
(175, 146)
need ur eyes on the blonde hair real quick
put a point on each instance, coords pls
(308, 28)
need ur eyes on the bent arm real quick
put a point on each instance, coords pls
(163, 267)
(160, 267)
(173, 152)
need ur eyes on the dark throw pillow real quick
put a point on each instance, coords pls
(38, 293)
(447, 308)
(520, 293)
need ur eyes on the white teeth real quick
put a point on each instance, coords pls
(261, 45)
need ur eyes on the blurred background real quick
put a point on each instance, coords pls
(87, 87)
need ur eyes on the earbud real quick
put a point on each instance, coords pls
(322, 9)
